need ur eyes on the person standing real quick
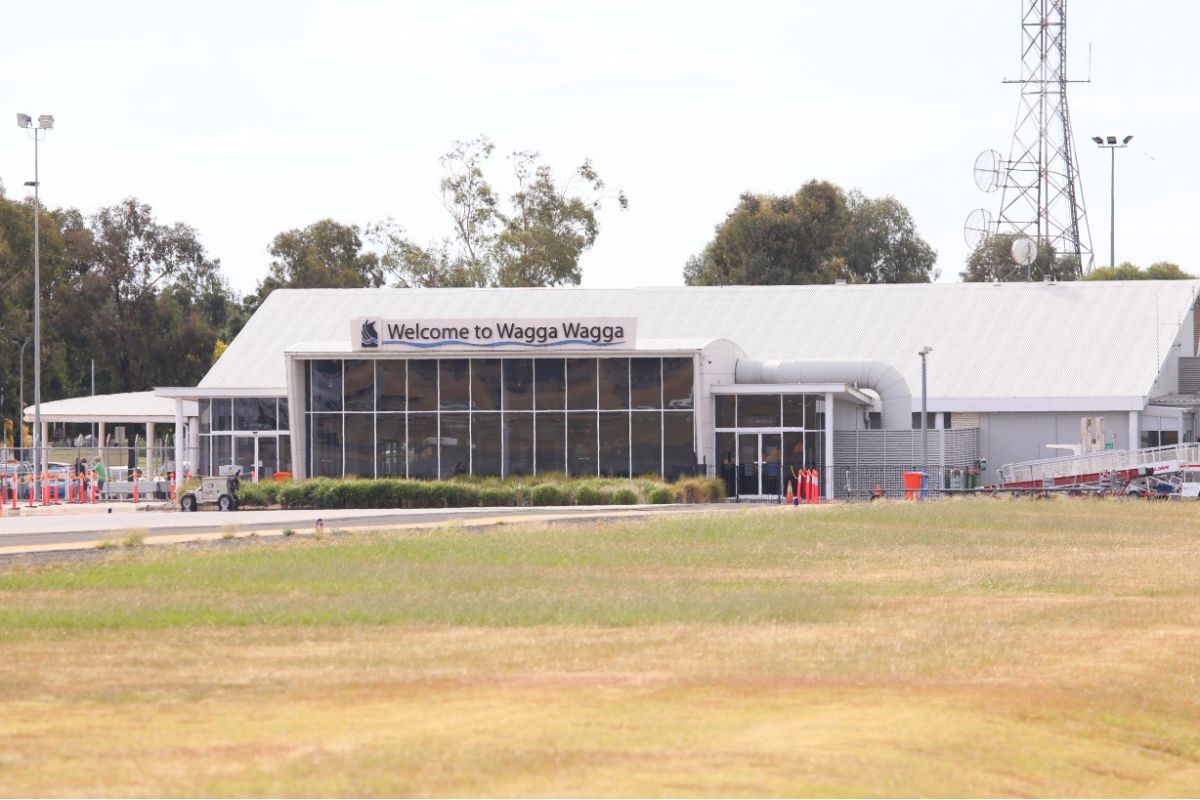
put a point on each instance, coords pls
(101, 473)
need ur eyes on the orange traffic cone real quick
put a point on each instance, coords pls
(789, 497)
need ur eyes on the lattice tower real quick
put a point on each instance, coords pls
(1041, 193)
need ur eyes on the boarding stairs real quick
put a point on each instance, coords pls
(1117, 471)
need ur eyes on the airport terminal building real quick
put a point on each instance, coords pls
(746, 383)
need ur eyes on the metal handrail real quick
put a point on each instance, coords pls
(1094, 463)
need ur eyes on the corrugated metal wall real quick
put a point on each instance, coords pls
(866, 459)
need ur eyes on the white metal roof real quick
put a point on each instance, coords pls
(132, 407)
(992, 343)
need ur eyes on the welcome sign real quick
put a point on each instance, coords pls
(376, 333)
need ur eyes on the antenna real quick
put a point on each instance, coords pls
(977, 228)
(1041, 194)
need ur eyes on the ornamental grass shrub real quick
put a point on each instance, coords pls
(551, 489)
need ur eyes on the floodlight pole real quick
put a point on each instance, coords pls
(923, 352)
(44, 123)
(1112, 145)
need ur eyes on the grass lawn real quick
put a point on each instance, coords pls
(974, 647)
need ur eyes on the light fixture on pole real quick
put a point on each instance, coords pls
(923, 352)
(1111, 144)
(21, 341)
(45, 122)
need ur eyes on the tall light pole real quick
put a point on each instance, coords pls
(1111, 144)
(44, 123)
(923, 352)
(21, 341)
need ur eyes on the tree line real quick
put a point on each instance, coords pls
(150, 305)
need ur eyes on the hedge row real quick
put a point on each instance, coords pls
(399, 493)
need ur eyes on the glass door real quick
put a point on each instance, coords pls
(747, 467)
(760, 465)
(245, 456)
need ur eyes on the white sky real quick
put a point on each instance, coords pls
(246, 119)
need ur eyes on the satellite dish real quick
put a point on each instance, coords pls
(1024, 251)
(987, 171)
(977, 228)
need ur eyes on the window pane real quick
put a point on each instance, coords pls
(222, 416)
(285, 454)
(725, 408)
(390, 447)
(727, 462)
(222, 452)
(581, 383)
(758, 410)
(551, 385)
(327, 445)
(793, 410)
(205, 456)
(456, 444)
(647, 443)
(254, 414)
(551, 442)
(518, 384)
(793, 454)
(614, 383)
(485, 444)
(205, 408)
(422, 385)
(518, 444)
(581, 443)
(614, 443)
(810, 411)
(486, 385)
(422, 445)
(813, 449)
(360, 445)
(390, 391)
(679, 449)
(645, 382)
(284, 417)
(326, 386)
(677, 382)
(455, 385)
(266, 457)
(359, 380)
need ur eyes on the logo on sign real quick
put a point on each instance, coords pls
(370, 336)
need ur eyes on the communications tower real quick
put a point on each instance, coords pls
(1041, 195)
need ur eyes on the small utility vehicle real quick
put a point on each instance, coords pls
(221, 489)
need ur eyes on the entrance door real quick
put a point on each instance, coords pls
(759, 465)
(245, 455)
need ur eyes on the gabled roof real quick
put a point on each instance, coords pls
(1098, 339)
(129, 407)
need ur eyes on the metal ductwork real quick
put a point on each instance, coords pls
(884, 379)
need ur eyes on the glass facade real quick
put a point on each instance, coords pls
(763, 439)
(250, 432)
(426, 417)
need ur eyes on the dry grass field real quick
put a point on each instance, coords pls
(988, 647)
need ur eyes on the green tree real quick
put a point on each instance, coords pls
(134, 299)
(1127, 271)
(992, 261)
(882, 245)
(326, 254)
(535, 239)
(814, 236)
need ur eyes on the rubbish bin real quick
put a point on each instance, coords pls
(914, 485)
(972, 481)
(956, 479)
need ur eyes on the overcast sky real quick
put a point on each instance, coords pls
(246, 119)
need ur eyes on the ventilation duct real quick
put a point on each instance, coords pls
(884, 379)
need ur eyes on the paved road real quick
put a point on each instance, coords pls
(77, 531)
